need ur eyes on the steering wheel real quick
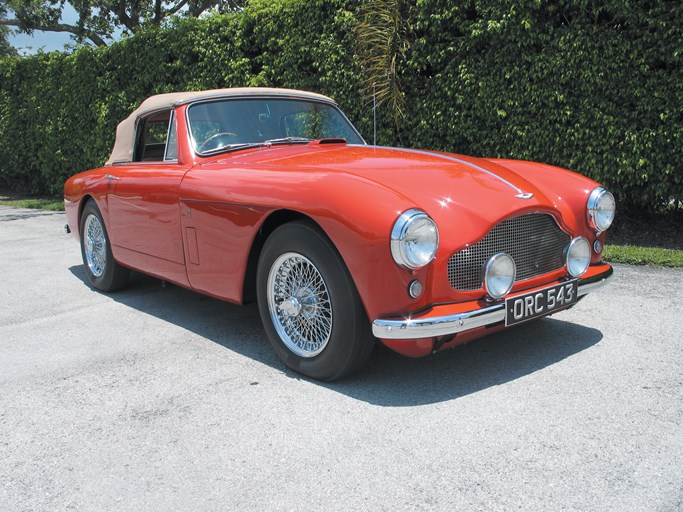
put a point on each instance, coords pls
(214, 140)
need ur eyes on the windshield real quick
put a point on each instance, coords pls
(238, 123)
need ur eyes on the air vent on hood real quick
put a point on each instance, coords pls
(320, 142)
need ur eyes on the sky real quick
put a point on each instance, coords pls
(48, 41)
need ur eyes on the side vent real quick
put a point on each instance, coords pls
(192, 248)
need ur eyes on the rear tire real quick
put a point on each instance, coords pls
(309, 306)
(103, 272)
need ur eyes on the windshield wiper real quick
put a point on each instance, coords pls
(285, 140)
(233, 147)
(244, 145)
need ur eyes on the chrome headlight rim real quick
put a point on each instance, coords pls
(493, 260)
(597, 197)
(568, 254)
(399, 231)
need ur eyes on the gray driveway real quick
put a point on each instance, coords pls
(157, 398)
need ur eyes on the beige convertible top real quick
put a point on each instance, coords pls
(125, 132)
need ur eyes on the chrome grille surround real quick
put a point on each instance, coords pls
(535, 242)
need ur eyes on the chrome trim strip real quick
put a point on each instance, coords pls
(438, 325)
(520, 193)
(406, 329)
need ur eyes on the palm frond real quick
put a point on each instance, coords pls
(382, 44)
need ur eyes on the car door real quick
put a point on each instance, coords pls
(144, 225)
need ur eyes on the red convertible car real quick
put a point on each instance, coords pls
(272, 195)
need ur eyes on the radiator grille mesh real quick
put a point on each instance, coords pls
(535, 242)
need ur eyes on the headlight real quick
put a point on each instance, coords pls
(499, 275)
(414, 239)
(601, 207)
(578, 256)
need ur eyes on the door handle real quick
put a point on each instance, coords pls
(111, 177)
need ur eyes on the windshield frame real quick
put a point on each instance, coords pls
(248, 145)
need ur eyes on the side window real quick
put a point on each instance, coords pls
(153, 133)
(171, 141)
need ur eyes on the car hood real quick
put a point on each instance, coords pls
(477, 190)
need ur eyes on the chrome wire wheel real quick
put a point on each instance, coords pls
(95, 245)
(299, 304)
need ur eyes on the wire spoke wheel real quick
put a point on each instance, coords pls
(299, 304)
(101, 269)
(95, 246)
(311, 310)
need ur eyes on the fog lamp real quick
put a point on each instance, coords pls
(578, 256)
(499, 275)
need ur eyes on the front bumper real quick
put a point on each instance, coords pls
(437, 322)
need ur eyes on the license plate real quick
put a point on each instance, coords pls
(540, 302)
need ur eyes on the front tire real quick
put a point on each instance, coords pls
(103, 272)
(309, 306)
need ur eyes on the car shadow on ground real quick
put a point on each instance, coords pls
(389, 379)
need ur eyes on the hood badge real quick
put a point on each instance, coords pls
(524, 195)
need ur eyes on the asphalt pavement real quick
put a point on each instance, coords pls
(157, 399)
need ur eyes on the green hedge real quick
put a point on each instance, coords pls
(596, 87)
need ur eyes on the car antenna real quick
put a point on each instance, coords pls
(374, 117)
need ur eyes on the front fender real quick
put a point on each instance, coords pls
(355, 213)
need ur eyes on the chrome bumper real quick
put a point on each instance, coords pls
(432, 327)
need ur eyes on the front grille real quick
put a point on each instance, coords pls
(534, 241)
